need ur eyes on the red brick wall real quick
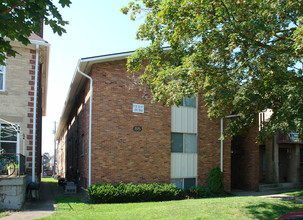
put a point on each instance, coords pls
(30, 115)
(118, 152)
(245, 161)
(121, 154)
(209, 148)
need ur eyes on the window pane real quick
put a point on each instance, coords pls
(189, 182)
(7, 133)
(190, 101)
(190, 142)
(176, 143)
(8, 147)
(177, 182)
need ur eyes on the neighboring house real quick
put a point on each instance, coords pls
(18, 98)
(46, 158)
(134, 140)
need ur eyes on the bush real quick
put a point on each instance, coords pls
(123, 193)
(215, 181)
(199, 192)
(214, 187)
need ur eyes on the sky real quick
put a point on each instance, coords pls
(96, 27)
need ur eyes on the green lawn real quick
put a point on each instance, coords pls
(48, 179)
(214, 208)
(295, 193)
(3, 214)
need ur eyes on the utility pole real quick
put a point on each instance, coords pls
(55, 153)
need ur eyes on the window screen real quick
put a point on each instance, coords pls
(176, 143)
(183, 143)
(177, 182)
(189, 101)
(190, 143)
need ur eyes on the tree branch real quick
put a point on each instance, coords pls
(229, 14)
(12, 8)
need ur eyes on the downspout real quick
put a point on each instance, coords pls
(90, 124)
(35, 115)
(222, 139)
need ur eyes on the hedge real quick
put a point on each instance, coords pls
(123, 193)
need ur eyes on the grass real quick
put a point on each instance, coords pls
(48, 179)
(212, 208)
(295, 193)
(3, 214)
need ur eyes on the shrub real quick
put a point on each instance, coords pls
(214, 186)
(215, 181)
(123, 193)
(199, 192)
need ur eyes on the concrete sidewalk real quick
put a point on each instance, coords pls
(34, 209)
(270, 195)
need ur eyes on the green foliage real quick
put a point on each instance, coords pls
(215, 181)
(18, 19)
(199, 192)
(123, 193)
(242, 56)
(214, 188)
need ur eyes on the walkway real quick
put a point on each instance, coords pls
(269, 195)
(34, 209)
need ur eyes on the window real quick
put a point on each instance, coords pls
(2, 78)
(8, 138)
(184, 183)
(189, 101)
(183, 143)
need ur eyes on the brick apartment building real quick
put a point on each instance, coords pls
(134, 140)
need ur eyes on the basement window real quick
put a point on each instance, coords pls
(184, 183)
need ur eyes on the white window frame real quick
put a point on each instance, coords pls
(4, 77)
(6, 141)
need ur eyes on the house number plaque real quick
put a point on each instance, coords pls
(137, 128)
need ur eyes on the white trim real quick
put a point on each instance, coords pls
(35, 115)
(90, 125)
(38, 42)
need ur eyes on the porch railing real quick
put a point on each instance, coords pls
(12, 164)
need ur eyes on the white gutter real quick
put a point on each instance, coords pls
(90, 124)
(38, 42)
(35, 115)
(222, 139)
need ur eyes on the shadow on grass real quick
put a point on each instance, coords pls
(60, 196)
(271, 211)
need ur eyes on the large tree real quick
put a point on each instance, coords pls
(242, 56)
(18, 19)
